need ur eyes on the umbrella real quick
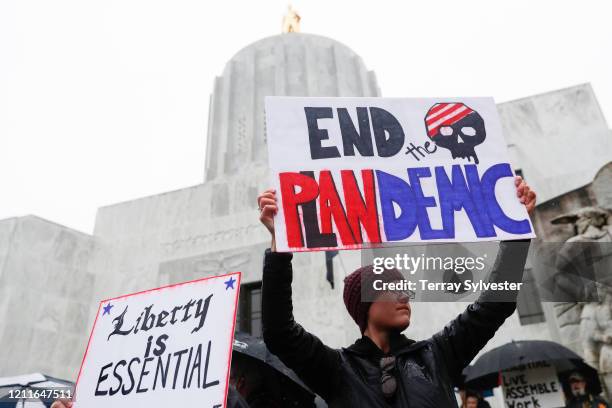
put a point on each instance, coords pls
(484, 374)
(252, 349)
(16, 391)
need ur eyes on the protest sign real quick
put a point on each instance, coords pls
(169, 346)
(358, 172)
(533, 386)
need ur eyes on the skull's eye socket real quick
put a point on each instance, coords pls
(468, 131)
(446, 130)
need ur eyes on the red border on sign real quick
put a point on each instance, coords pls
(231, 345)
(231, 342)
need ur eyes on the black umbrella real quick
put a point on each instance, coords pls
(286, 382)
(33, 390)
(484, 374)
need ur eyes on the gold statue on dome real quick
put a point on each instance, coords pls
(291, 21)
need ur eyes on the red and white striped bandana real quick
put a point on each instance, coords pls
(445, 114)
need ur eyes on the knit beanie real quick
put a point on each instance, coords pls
(364, 277)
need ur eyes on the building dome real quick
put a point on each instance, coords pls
(292, 64)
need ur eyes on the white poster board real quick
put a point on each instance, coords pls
(164, 347)
(532, 387)
(357, 172)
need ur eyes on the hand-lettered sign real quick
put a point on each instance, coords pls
(169, 346)
(536, 386)
(358, 172)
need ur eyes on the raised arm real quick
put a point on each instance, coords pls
(314, 362)
(462, 339)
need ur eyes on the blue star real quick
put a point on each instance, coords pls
(107, 309)
(230, 283)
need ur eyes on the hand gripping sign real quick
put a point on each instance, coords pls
(169, 346)
(359, 172)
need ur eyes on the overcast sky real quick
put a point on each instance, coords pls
(106, 101)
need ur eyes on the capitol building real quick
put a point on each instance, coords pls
(52, 277)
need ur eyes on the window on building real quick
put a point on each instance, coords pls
(529, 306)
(248, 316)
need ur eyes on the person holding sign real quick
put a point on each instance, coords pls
(383, 368)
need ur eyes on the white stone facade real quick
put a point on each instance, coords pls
(46, 292)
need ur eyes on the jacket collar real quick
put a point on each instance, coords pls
(398, 342)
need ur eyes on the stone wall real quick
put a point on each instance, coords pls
(46, 291)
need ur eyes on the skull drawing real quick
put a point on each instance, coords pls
(456, 127)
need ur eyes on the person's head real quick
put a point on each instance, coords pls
(577, 384)
(470, 399)
(368, 305)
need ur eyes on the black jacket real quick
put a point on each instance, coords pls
(350, 377)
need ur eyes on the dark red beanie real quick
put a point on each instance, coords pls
(353, 283)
